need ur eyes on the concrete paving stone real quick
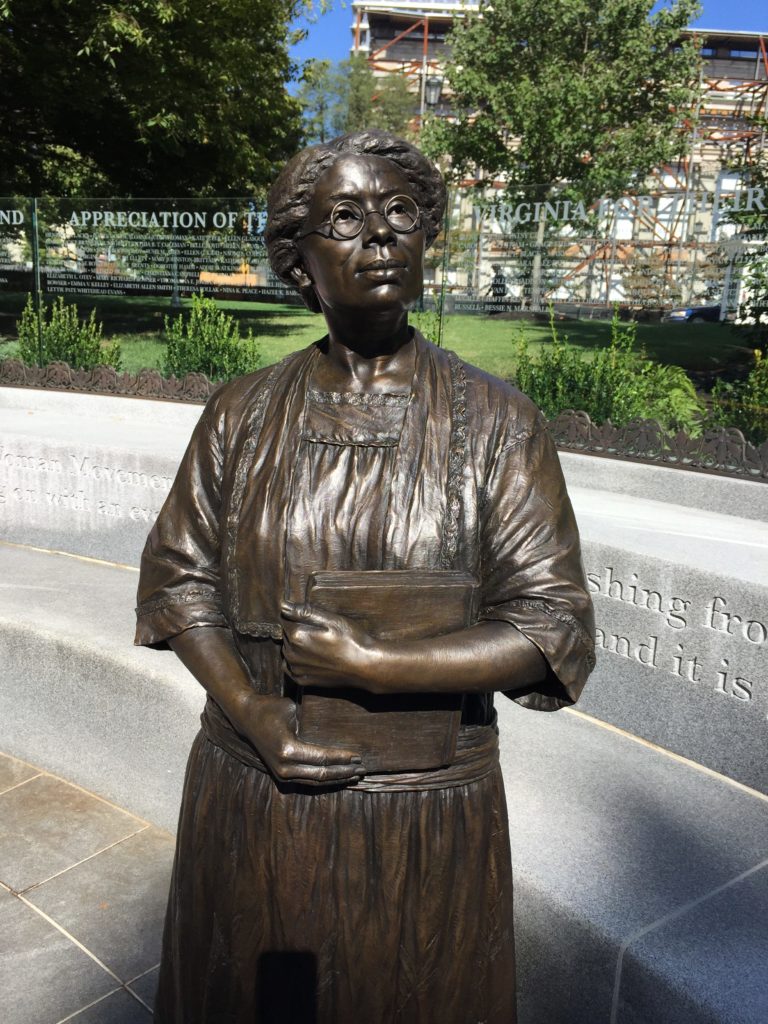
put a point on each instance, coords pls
(38, 588)
(565, 964)
(106, 420)
(43, 975)
(645, 481)
(118, 1008)
(731, 546)
(49, 825)
(145, 986)
(709, 964)
(115, 903)
(12, 772)
(651, 833)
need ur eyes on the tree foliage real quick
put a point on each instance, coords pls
(145, 97)
(580, 95)
(318, 97)
(348, 96)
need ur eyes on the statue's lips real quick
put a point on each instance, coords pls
(378, 266)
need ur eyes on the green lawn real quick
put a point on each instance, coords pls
(487, 342)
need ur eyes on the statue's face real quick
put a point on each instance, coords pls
(380, 268)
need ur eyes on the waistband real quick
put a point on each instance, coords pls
(477, 755)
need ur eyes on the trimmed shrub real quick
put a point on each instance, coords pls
(744, 404)
(208, 341)
(65, 337)
(619, 384)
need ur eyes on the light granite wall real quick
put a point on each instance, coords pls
(87, 474)
(677, 562)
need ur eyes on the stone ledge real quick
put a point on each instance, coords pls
(619, 850)
(681, 645)
(641, 881)
(77, 698)
(734, 496)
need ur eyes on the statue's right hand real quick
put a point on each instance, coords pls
(269, 722)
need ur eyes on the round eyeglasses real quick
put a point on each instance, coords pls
(347, 218)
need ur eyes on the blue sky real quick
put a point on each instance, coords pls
(330, 37)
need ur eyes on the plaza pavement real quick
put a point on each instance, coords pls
(83, 886)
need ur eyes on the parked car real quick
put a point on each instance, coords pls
(693, 315)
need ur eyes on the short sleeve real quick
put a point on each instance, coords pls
(532, 572)
(179, 584)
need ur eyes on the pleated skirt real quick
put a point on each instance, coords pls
(291, 905)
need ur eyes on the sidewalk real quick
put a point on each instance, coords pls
(83, 886)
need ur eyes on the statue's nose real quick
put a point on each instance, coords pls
(377, 229)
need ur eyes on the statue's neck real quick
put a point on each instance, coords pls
(359, 366)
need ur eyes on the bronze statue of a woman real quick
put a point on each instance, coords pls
(311, 884)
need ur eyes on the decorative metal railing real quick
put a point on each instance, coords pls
(722, 450)
(104, 380)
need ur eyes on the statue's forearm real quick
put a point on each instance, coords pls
(488, 656)
(210, 655)
(268, 721)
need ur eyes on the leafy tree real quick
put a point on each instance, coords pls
(579, 96)
(357, 87)
(145, 97)
(318, 96)
(348, 96)
(393, 104)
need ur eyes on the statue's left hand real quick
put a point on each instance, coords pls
(321, 649)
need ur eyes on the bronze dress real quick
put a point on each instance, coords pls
(390, 901)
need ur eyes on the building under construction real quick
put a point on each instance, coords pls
(677, 243)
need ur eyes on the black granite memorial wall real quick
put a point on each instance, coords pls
(165, 248)
(647, 253)
(683, 246)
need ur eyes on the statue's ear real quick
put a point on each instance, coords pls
(300, 277)
(305, 288)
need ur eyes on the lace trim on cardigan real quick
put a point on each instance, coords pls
(357, 398)
(241, 476)
(565, 617)
(347, 442)
(185, 597)
(457, 458)
(261, 629)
